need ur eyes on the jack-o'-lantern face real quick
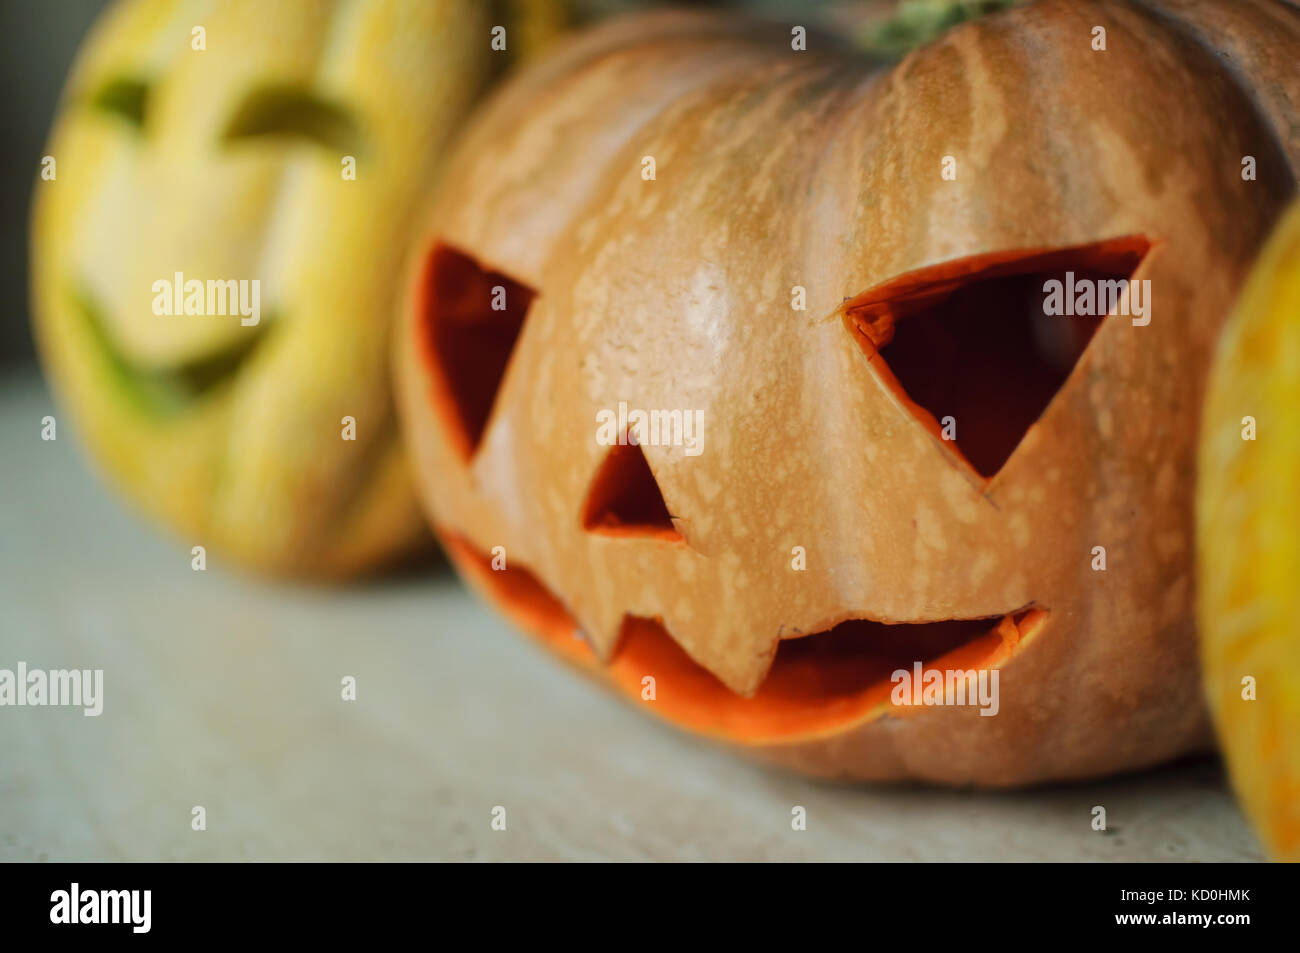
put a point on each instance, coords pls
(920, 444)
(216, 257)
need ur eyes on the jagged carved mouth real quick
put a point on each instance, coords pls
(818, 681)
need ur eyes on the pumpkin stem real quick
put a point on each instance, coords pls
(917, 22)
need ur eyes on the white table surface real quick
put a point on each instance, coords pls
(224, 691)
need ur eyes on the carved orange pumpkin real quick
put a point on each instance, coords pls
(830, 268)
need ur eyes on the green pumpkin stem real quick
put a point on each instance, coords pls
(917, 22)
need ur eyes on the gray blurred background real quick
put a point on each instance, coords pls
(38, 39)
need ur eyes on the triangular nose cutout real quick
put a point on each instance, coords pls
(470, 320)
(977, 347)
(625, 500)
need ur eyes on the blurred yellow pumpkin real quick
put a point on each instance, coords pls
(1248, 516)
(218, 231)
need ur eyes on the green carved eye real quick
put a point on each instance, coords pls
(126, 97)
(293, 112)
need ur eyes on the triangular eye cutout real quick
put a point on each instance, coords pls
(469, 321)
(979, 343)
(625, 500)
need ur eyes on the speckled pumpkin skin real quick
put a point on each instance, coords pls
(254, 467)
(775, 169)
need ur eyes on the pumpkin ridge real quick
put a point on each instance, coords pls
(1247, 90)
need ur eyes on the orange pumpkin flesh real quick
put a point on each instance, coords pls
(778, 169)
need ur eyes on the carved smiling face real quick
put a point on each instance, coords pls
(228, 163)
(829, 533)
